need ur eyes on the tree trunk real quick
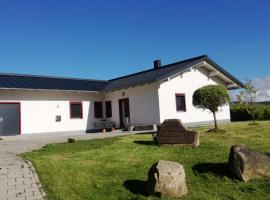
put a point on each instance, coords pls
(253, 116)
(215, 120)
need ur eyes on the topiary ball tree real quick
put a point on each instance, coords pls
(211, 97)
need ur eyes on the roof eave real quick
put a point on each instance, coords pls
(219, 68)
(179, 71)
(130, 86)
(199, 63)
(52, 90)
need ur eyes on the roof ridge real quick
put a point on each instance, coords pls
(10, 80)
(51, 77)
(162, 67)
(86, 79)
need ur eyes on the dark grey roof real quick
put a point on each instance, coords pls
(154, 75)
(15, 81)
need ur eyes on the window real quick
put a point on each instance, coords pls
(98, 109)
(108, 105)
(76, 110)
(180, 102)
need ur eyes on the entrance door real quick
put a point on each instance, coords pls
(9, 119)
(124, 112)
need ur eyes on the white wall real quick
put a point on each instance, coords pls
(150, 103)
(39, 108)
(143, 103)
(187, 83)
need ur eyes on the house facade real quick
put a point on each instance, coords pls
(37, 104)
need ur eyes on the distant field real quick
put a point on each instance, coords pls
(116, 168)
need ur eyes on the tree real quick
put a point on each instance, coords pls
(247, 97)
(211, 97)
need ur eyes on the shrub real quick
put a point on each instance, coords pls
(266, 113)
(248, 97)
(240, 113)
(71, 140)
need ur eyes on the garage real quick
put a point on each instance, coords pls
(9, 119)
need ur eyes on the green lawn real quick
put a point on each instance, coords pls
(116, 168)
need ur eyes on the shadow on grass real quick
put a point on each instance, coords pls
(216, 130)
(255, 124)
(145, 142)
(218, 169)
(136, 186)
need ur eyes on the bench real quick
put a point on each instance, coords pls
(104, 125)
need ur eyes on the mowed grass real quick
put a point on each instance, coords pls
(116, 168)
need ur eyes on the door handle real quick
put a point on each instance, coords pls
(1, 120)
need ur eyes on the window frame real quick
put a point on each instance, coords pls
(180, 95)
(102, 114)
(76, 103)
(106, 110)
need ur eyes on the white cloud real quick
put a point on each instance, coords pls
(233, 94)
(262, 85)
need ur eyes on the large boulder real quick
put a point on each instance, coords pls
(166, 179)
(246, 164)
(173, 132)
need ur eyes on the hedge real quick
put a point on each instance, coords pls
(239, 113)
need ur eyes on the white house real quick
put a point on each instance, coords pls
(36, 104)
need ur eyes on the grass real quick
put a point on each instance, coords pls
(116, 168)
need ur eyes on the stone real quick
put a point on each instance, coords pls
(172, 132)
(166, 179)
(246, 164)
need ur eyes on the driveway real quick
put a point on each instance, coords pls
(18, 180)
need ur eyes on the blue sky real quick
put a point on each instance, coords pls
(106, 39)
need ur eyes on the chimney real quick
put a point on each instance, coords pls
(157, 64)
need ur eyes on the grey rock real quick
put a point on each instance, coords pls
(167, 179)
(246, 164)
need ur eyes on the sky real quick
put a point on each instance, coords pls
(106, 39)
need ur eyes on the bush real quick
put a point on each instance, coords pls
(71, 140)
(239, 112)
(266, 113)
